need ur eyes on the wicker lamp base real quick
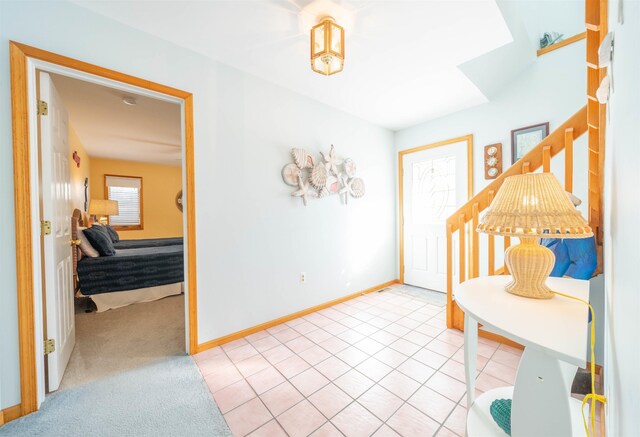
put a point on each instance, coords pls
(530, 265)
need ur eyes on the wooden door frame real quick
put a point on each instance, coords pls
(401, 154)
(19, 58)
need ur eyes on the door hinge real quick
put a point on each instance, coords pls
(49, 346)
(43, 108)
(45, 227)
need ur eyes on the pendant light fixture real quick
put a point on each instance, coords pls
(327, 47)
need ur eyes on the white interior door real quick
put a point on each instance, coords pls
(434, 186)
(56, 208)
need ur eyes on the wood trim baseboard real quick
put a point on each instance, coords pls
(499, 339)
(19, 53)
(266, 325)
(10, 413)
(563, 43)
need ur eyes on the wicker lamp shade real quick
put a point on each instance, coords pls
(531, 206)
(103, 207)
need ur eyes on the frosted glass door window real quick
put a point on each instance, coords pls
(434, 190)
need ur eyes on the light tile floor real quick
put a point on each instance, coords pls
(382, 364)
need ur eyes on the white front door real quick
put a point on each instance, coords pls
(56, 208)
(434, 186)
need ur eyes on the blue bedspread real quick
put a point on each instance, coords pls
(150, 242)
(130, 269)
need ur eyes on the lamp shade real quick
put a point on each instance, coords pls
(101, 207)
(533, 205)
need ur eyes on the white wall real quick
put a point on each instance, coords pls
(253, 238)
(551, 89)
(622, 216)
(565, 17)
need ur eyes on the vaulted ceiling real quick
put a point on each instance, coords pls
(402, 57)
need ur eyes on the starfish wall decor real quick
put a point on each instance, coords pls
(323, 177)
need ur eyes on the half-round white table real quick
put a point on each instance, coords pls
(554, 334)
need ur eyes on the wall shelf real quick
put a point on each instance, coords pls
(563, 43)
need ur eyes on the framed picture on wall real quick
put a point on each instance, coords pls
(526, 138)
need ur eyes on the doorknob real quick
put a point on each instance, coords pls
(74, 242)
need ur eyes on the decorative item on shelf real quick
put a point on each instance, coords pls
(327, 47)
(532, 206)
(550, 38)
(526, 138)
(76, 158)
(492, 161)
(327, 176)
(101, 209)
(179, 200)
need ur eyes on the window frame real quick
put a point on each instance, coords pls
(139, 227)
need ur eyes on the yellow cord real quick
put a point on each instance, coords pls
(593, 395)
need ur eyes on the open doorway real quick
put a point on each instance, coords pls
(33, 314)
(111, 183)
(434, 181)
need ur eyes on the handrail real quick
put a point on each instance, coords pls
(465, 219)
(533, 159)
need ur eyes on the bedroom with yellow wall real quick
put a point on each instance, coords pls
(79, 170)
(160, 185)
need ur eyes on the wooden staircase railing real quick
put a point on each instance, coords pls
(465, 219)
(596, 18)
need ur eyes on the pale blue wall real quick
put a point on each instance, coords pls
(253, 238)
(622, 216)
(552, 88)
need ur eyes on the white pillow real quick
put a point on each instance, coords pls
(86, 247)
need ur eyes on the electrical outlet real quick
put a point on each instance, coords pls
(303, 277)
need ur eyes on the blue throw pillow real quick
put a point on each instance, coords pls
(112, 233)
(100, 240)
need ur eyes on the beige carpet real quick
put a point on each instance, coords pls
(125, 338)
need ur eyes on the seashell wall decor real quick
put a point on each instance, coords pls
(324, 177)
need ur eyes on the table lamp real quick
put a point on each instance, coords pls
(102, 208)
(532, 206)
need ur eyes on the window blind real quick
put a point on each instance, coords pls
(127, 192)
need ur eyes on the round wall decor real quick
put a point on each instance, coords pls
(179, 200)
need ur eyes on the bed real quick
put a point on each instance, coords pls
(138, 274)
(151, 242)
